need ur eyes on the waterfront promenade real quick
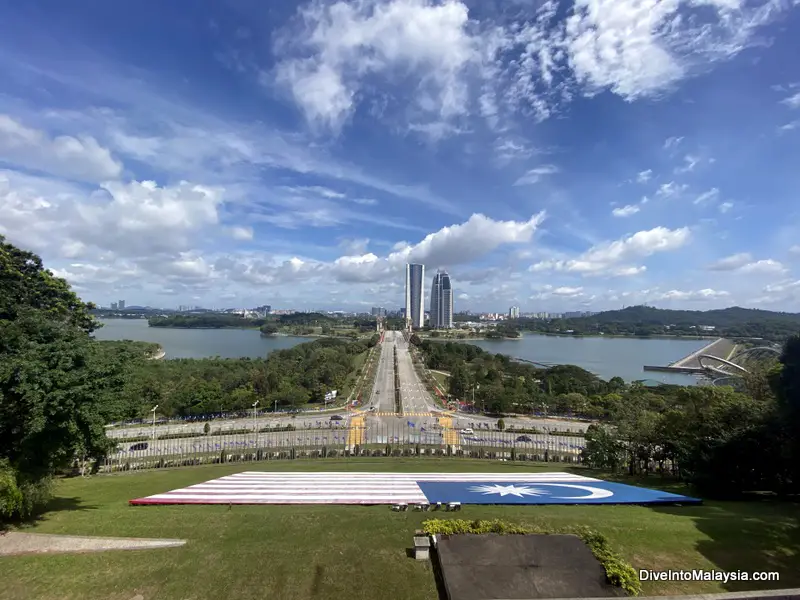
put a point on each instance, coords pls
(721, 348)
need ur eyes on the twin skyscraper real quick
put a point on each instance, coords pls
(441, 298)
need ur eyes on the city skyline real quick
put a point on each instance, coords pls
(552, 156)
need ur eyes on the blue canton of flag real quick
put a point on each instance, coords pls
(542, 492)
(411, 424)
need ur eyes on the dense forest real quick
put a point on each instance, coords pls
(732, 322)
(208, 320)
(288, 378)
(724, 441)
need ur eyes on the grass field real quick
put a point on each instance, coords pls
(332, 552)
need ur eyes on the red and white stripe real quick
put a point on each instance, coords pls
(257, 487)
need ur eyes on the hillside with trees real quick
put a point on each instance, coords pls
(734, 322)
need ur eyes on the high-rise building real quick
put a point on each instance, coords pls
(415, 293)
(378, 311)
(513, 312)
(121, 304)
(113, 306)
(441, 301)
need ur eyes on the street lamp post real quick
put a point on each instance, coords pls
(255, 420)
(153, 410)
(546, 434)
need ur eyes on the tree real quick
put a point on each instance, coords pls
(414, 340)
(25, 284)
(602, 450)
(458, 381)
(269, 329)
(58, 387)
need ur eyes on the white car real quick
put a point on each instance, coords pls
(467, 431)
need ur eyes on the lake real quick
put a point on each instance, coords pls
(197, 343)
(605, 356)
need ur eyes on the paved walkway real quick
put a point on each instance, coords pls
(16, 542)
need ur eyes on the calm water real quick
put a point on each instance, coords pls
(606, 357)
(196, 343)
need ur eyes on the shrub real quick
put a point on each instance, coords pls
(10, 494)
(501, 424)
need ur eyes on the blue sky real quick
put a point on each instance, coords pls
(555, 156)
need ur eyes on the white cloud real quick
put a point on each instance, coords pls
(790, 125)
(644, 176)
(536, 174)
(446, 65)
(671, 189)
(692, 296)
(80, 158)
(730, 263)
(241, 233)
(725, 207)
(625, 211)
(766, 266)
(342, 44)
(567, 291)
(133, 219)
(672, 142)
(792, 101)
(690, 162)
(743, 263)
(605, 258)
(709, 196)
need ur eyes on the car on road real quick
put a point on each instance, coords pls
(337, 418)
(467, 431)
(372, 409)
(139, 446)
(524, 438)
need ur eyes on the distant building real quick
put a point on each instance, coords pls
(441, 301)
(415, 293)
(113, 306)
(378, 311)
(121, 304)
(513, 312)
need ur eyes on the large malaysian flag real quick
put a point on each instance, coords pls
(258, 487)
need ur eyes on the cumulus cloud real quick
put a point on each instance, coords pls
(605, 258)
(135, 218)
(625, 211)
(743, 262)
(692, 296)
(644, 176)
(80, 158)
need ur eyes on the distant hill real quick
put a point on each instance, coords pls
(644, 321)
(725, 317)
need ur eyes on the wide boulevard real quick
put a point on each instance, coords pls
(375, 422)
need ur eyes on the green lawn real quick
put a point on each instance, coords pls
(441, 379)
(332, 552)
